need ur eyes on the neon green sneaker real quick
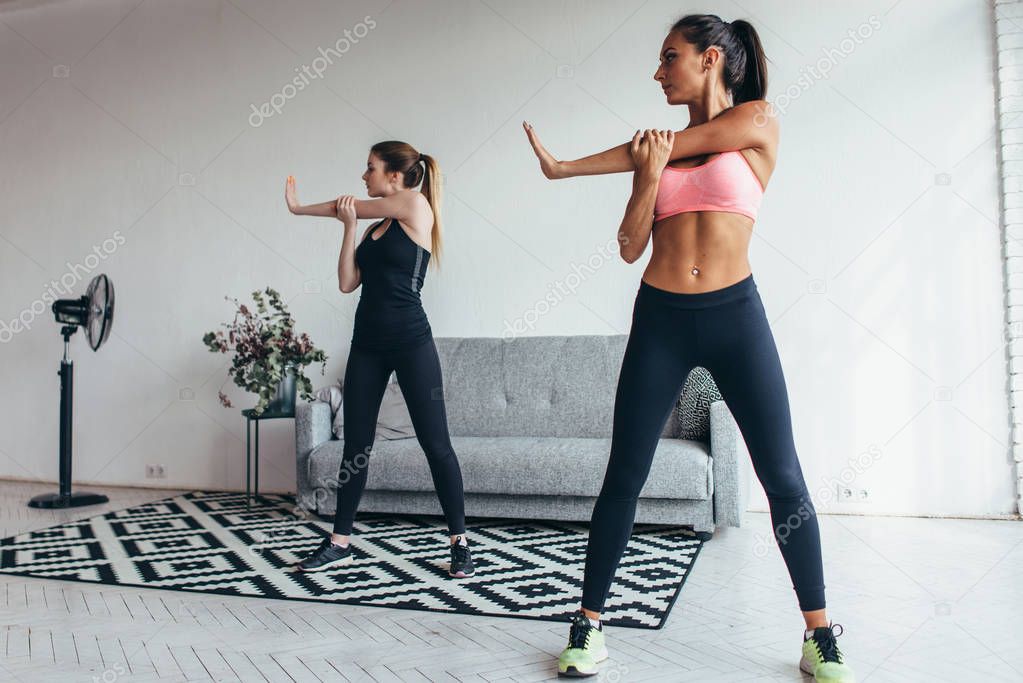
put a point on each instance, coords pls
(585, 649)
(822, 658)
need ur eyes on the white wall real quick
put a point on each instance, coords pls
(877, 251)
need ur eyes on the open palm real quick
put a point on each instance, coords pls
(550, 166)
(290, 196)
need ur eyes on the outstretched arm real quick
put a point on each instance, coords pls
(750, 124)
(398, 205)
(324, 209)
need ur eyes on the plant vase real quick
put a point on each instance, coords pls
(283, 400)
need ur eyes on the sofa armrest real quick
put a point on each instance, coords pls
(312, 427)
(731, 467)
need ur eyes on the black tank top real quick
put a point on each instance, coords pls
(392, 268)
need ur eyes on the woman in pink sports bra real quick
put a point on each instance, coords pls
(695, 195)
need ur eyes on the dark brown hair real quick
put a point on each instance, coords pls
(416, 168)
(745, 67)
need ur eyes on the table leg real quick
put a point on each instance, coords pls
(257, 462)
(248, 466)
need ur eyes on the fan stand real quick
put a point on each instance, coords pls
(66, 499)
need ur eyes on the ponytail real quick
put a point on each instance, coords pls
(432, 191)
(752, 85)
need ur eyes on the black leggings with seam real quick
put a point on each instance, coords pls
(727, 332)
(418, 371)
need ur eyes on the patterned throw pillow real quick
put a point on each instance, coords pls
(693, 407)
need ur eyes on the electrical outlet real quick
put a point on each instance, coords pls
(155, 472)
(847, 494)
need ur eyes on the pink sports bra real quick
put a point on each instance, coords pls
(725, 183)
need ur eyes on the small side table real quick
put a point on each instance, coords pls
(250, 417)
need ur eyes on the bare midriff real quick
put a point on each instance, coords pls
(699, 251)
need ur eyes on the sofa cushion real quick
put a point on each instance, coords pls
(525, 465)
(534, 386)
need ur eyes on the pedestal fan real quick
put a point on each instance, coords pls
(94, 312)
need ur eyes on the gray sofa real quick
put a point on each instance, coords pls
(530, 421)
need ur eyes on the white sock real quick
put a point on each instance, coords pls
(460, 540)
(808, 633)
(595, 623)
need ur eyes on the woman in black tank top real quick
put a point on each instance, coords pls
(390, 314)
(391, 334)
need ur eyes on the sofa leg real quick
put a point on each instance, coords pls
(704, 535)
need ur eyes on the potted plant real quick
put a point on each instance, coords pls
(268, 357)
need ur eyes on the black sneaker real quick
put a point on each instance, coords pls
(325, 556)
(461, 561)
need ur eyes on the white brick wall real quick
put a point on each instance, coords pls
(1009, 39)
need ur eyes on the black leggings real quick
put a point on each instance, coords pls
(727, 332)
(419, 377)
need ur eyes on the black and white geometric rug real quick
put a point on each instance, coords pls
(207, 542)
